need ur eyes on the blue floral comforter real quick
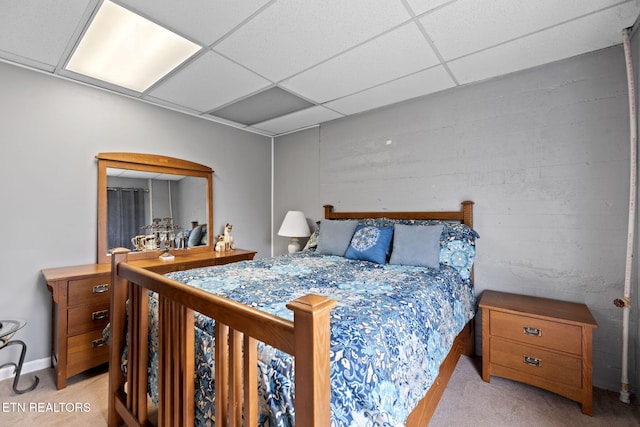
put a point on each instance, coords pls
(391, 330)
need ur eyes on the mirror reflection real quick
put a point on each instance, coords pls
(171, 200)
(150, 211)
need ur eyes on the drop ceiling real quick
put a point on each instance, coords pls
(274, 67)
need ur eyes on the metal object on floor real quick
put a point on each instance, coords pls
(8, 329)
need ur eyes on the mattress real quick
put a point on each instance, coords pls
(392, 328)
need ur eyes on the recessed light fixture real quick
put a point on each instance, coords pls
(125, 49)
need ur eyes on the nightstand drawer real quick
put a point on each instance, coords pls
(537, 332)
(86, 351)
(88, 318)
(559, 368)
(89, 291)
(539, 341)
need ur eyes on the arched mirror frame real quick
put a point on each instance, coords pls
(148, 163)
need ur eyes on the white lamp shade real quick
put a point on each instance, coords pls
(294, 225)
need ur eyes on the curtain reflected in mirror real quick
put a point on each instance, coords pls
(125, 216)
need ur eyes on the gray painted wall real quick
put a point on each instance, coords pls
(544, 153)
(51, 130)
(295, 181)
(188, 202)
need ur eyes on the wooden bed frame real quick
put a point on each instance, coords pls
(307, 338)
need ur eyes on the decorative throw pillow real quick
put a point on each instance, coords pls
(460, 255)
(195, 236)
(417, 245)
(204, 238)
(370, 243)
(335, 236)
(312, 243)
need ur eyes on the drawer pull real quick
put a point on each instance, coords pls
(98, 343)
(534, 332)
(99, 289)
(532, 361)
(99, 315)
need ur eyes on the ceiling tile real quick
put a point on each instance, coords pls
(205, 21)
(352, 56)
(590, 33)
(467, 26)
(287, 38)
(263, 106)
(309, 117)
(421, 6)
(208, 82)
(39, 31)
(418, 84)
(398, 53)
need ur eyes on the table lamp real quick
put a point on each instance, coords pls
(294, 226)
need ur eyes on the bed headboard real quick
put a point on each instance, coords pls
(465, 215)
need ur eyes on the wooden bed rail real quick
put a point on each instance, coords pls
(238, 326)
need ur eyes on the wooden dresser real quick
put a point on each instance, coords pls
(538, 341)
(80, 308)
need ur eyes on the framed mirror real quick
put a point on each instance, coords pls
(153, 204)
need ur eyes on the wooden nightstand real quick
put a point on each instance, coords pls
(80, 308)
(538, 341)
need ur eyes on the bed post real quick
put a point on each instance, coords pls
(467, 213)
(328, 209)
(470, 341)
(119, 294)
(312, 338)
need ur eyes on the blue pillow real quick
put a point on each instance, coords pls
(195, 236)
(417, 245)
(460, 255)
(335, 236)
(370, 243)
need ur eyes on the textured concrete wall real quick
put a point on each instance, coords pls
(543, 153)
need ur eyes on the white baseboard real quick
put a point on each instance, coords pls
(32, 366)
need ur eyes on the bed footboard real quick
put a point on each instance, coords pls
(307, 338)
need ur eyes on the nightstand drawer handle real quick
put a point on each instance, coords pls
(99, 315)
(534, 332)
(99, 289)
(532, 361)
(98, 343)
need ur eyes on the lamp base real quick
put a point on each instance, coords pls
(294, 245)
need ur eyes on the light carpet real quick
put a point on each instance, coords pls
(467, 401)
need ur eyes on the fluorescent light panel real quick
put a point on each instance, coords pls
(127, 50)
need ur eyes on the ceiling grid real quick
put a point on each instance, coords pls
(275, 66)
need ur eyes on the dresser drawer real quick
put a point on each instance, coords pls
(537, 332)
(86, 351)
(89, 291)
(556, 367)
(88, 318)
